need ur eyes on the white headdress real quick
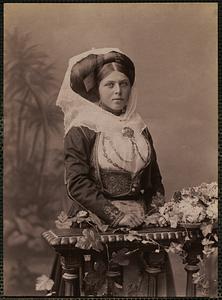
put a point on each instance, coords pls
(79, 111)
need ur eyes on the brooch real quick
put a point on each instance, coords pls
(128, 132)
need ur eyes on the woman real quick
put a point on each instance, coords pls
(110, 162)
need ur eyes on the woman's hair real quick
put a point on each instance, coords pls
(111, 67)
(86, 74)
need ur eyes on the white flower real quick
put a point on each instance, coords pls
(197, 204)
(209, 190)
(189, 210)
(191, 219)
(212, 210)
(201, 216)
(174, 221)
(162, 210)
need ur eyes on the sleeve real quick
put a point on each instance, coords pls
(80, 187)
(156, 178)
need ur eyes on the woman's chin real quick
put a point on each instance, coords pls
(116, 111)
(117, 107)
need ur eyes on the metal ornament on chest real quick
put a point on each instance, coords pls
(128, 133)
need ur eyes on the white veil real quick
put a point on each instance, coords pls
(79, 111)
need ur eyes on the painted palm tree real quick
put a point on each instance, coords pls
(29, 83)
(30, 117)
(33, 118)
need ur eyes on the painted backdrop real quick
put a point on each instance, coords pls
(174, 48)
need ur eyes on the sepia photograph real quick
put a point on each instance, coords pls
(110, 180)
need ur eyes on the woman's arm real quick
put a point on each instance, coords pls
(80, 187)
(156, 178)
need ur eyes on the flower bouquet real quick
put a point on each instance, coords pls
(188, 207)
(192, 207)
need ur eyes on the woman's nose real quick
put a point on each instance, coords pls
(117, 89)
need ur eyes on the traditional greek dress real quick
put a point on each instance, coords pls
(112, 176)
(111, 166)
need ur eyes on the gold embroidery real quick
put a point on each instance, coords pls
(119, 183)
(112, 212)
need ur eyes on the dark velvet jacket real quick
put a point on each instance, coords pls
(89, 194)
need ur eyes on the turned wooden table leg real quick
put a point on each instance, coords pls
(193, 249)
(71, 264)
(152, 280)
(113, 275)
(71, 283)
(153, 261)
(88, 289)
(191, 286)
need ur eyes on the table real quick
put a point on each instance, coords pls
(63, 241)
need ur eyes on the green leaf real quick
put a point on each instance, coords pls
(117, 285)
(96, 243)
(158, 200)
(100, 266)
(96, 220)
(216, 237)
(44, 283)
(196, 277)
(206, 228)
(133, 236)
(173, 221)
(207, 242)
(50, 294)
(120, 257)
(208, 250)
(152, 219)
(120, 230)
(63, 225)
(177, 196)
(132, 288)
(83, 243)
(82, 214)
(175, 248)
(62, 217)
(96, 278)
(90, 239)
(63, 222)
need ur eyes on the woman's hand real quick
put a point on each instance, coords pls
(131, 221)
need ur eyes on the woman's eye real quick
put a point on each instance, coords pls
(110, 84)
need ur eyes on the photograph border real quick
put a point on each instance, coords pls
(219, 141)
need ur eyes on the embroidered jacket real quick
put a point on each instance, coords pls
(93, 189)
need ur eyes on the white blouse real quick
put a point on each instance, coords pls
(129, 152)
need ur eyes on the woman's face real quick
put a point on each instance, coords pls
(114, 91)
